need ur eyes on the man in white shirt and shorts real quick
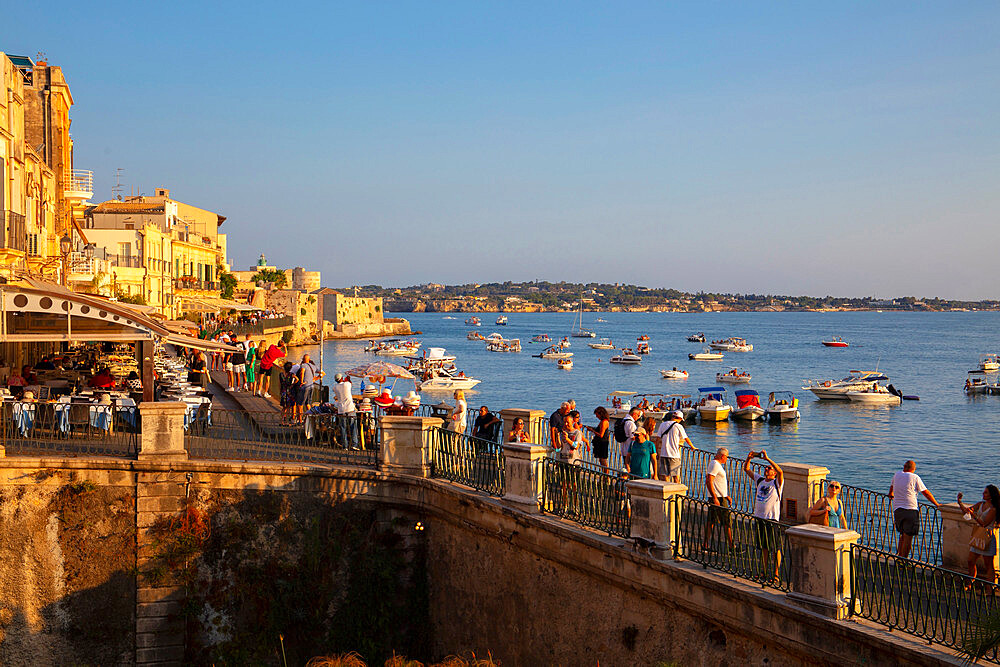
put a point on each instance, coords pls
(767, 509)
(670, 435)
(718, 490)
(903, 491)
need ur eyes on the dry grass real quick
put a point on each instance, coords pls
(354, 660)
(351, 659)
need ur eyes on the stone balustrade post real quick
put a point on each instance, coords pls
(523, 470)
(820, 568)
(162, 431)
(535, 423)
(956, 532)
(654, 516)
(406, 444)
(803, 487)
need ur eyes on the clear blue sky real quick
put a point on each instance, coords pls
(800, 147)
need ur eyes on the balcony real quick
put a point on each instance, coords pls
(125, 261)
(78, 184)
(192, 283)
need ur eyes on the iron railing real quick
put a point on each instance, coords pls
(471, 461)
(939, 605)
(277, 322)
(732, 541)
(694, 467)
(265, 436)
(870, 514)
(71, 428)
(587, 495)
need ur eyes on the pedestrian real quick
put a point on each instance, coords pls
(984, 537)
(829, 510)
(459, 414)
(307, 374)
(671, 434)
(767, 509)
(625, 430)
(197, 374)
(600, 440)
(517, 433)
(287, 383)
(251, 368)
(343, 400)
(905, 511)
(557, 424)
(269, 366)
(718, 489)
(572, 438)
(642, 455)
(487, 425)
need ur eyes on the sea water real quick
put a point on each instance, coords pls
(952, 437)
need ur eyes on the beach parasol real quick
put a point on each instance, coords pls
(379, 371)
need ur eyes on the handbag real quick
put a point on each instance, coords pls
(983, 538)
(823, 519)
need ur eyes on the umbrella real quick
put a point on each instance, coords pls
(379, 371)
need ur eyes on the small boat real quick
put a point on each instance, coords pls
(564, 343)
(782, 406)
(674, 374)
(475, 335)
(603, 344)
(836, 390)
(705, 355)
(601, 319)
(579, 331)
(733, 376)
(394, 347)
(642, 337)
(565, 364)
(836, 341)
(443, 379)
(976, 383)
(713, 406)
(989, 363)
(432, 356)
(732, 344)
(553, 352)
(494, 337)
(697, 338)
(875, 394)
(502, 321)
(642, 347)
(621, 403)
(504, 345)
(681, 402)
(541, 338)
(473, 322)
(449, 317)
(627, 357)
(748, 406)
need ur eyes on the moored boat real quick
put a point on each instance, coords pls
(642, 347)
(697, 338)
(713, 406)
(782, 406)
(989, 363)
(674, 374)
(875, 394)
(976, 383)
(626, 357)
(553, 352)
(579, 331)
(748, 406)
(733, 376)
(565, 364)
(541, 338)
(473, 321)
(705, 355)
(475, 335)
(836, 390)
(603, 344)
(502, 321)
(836, 341)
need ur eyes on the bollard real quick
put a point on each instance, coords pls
(803, 487)
(406, 444)
(523, 469)
(820, 567)
(653, 513)
(162, 437)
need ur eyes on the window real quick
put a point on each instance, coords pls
(129, 225)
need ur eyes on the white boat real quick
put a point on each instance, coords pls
(733, 376)
(713, 406)
(504, 345)
(603, 344)
(475, 335)
(642, 347)
(705, 355)
(541, 338)
(553, 352)
(565, 364)
(683, 403)
(697, 338)
(393, 347)
(620, 402)
(442, 379)
(782, 406)
(473, 322)
(836, 390)
(432, 356)
(502, 321)
(976, 383)
(494, 337)
(748, 406)
(733, 344)
(626, 357)
(579, 331)
(674, 374)
(601, 319)
(875, 394)
(989, 363)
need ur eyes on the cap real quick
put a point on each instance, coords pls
(677, 414)
(640, 431)
(338, 377)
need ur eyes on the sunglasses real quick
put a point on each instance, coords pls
(835, 486)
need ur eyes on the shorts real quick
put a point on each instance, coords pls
(907, 521)
(672, 466)
(229, 365)
(302, 394)
(720, 513)
(600, 449)
(239, 368)
(766, 535)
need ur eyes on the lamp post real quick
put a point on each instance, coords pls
(65, 247)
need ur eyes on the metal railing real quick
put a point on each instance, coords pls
(939, 605)
(870, 514)
(265, 436)
(70, 428)
(189, 282)
(587, 495)
(732, 541)
(79, 181)
(126, 261)
(277, 322)
(471, 461)
(694, 467)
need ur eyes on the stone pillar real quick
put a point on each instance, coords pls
(956, 532)
(535, 422)
(406, 444)
(653, 513)
(820, 568)
(162, 437)
(802, 488)
(523, 470)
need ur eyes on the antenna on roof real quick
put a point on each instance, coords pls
(116, 189)
(40, 56)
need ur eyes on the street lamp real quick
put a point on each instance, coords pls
(88, 250)
(65, 247)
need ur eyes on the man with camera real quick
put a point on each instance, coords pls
(767, 508)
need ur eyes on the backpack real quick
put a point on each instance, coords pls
(620, 434)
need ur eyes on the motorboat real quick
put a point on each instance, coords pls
(642, 347)
(656, 410)
(836, 341)
(565, 364)
(564, 343)
(579, 331)
(494, 337)
(836, 390)
(989, 363)
(697, 338)
(541, 338)
(504, 345)
(713, 406)
(733, 344)
(682, 403)
(782, 406)
(449, 317)
(875, 394)
(393, 347)
(748, 406)
(475, 335)
(473, 322)
(444, 379)
(733, 376)
(603, 344)
(620, 402)
(553, 352)
(976, 383)
(432, 356)
(626, 357)
(705, 355)
(601, 319)
(674, 374)
(502, 321)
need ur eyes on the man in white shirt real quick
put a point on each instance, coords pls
(767, 508)
(342, 398)
(670, 435)
(631, 425)
(718, 490)
(903, 491)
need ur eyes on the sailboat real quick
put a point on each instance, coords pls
(579, 331)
